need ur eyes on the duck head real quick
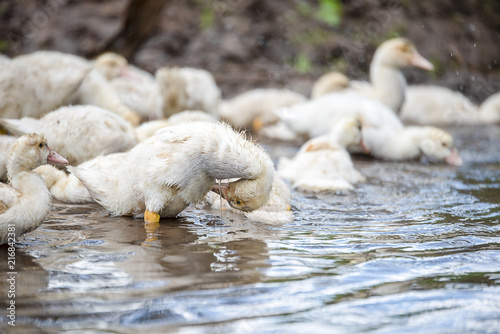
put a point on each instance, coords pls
(401, 52)
(244, 195)
(112, 65)
(437, 144)
(30, 151)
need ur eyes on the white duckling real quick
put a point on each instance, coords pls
(330, 82)
(276, 210)
(489, 110)
(323, 163)
(254, 109)
(383, 133)
(147, 129)
(136, 88)
(34, 84)
(176, 167)
(6, 143)
(412, 142)
(187, 89)
(79, 133)
(318, 116)
(425, 105)
(387, 83)
(25, 201)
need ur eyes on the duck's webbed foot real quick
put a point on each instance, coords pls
(151, 217)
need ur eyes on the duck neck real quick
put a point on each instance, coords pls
(266, 176)
(389, 85)
(260, 185)
(16, 165)
(338, 139)
(35, 201)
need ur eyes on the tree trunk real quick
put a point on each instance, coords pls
(140, 19)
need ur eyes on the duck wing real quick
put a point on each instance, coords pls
(19, 127)
(8, 197)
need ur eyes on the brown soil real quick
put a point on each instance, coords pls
(281, 43)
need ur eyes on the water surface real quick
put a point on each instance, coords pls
(415, 249)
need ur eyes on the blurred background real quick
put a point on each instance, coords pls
(257, 43)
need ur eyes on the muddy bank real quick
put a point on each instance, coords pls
(256, 43)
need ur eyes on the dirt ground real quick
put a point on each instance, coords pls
(282, 43)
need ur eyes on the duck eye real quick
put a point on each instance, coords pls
(41, 145)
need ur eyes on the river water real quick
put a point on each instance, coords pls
(414, 249)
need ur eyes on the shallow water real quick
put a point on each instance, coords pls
(415, 249)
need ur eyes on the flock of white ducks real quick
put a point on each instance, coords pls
(151, 145)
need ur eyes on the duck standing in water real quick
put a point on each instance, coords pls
(25, 201)
(162, 175)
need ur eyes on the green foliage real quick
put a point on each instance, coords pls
(330, 12)
(4, 45)
(311, 37)
(207, 17)
(438, 67)
(302, 63)
(304, 9)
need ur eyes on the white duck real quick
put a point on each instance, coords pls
(176, 167)
(79, 133)
(383, 133)
(387, 82)
(276, 210)
(322, 163)
(255, 108)
(136, 88)
(187, 89)
(34, 84)
(6, 143)
(425, 105)
(25, 201)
